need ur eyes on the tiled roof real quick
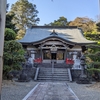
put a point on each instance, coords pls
(69, 34)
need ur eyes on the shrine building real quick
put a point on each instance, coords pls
(55, 43)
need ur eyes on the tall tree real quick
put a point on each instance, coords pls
(9, 23)
(13, 53)
(7, 6)
(13, 56)
(9, 18)
(83, 22)
(62, 21)
(25, 15)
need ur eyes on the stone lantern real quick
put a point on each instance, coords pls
(83, 77)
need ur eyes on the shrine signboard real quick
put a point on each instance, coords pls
(53, 49)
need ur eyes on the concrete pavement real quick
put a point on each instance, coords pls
(51, 91)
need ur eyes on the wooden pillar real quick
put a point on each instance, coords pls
(65, 55)
(41, 52)
(2, 27)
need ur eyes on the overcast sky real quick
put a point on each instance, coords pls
(51, 10)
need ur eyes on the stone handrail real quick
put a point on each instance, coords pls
(52, 67)
(70, 76)
(36, 74)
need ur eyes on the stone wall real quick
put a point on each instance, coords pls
(30, 72)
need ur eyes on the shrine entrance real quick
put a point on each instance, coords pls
(53, 50)
(53, 56)
(59, 56)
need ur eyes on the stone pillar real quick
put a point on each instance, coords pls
(2, 27)
(82, 66)
(32, 56)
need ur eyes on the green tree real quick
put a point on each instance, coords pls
(92, 36)
(13, 56)
(9, 34)
(62, 21)
(9, 23)
(9, 18)
(25, 15)
(98, 26)
(13, 52)
(93, 61)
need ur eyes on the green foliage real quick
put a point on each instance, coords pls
(94, 49)
(94, 53)
(9, 18)
(98, 26)
(9, 23)
(93, 70)
(94, 63)
(92, 36)
(98, 42)
(62, 21)
(13, 56)
(25, 14)
(9, 34)
(94, 58)
(93, 67)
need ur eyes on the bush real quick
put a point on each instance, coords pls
(13, 56)
(9, 34)
(94, 70)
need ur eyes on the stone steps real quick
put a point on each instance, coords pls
(57, 65)
(52, 79)
(59, 74)
(44, 73)
(53, 76)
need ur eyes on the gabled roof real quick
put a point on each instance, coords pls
(70, 34)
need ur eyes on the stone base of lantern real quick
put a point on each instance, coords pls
(23, 78)
(83, 80)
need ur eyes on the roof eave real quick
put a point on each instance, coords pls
(73, 43)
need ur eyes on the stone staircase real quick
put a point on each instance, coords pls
(56, 65)
(59, 74)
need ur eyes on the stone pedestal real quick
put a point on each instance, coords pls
(23, 77)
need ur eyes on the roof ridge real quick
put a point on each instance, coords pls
(54, 27)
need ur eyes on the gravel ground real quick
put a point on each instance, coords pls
(18, 90)
(86, 91)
